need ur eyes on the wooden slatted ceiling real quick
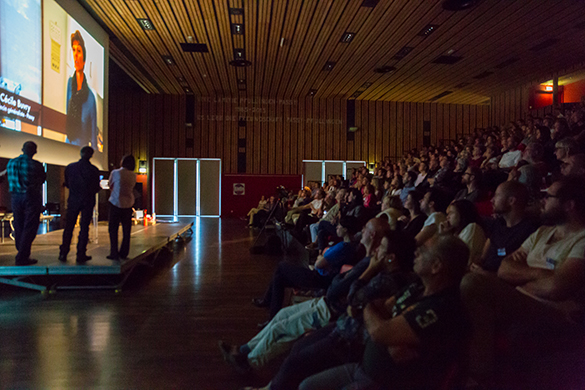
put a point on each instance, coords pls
(484, 36)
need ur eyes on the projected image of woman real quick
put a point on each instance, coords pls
(81, 104)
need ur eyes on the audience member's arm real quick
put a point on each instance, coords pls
(426, 233)
(560, 284)
(390, 332)
(516, 271)
(321, 262)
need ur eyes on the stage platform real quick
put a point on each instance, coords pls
(49, 274)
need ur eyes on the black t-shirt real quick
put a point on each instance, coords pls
(440, 323)
(414, 226)
(505, 240)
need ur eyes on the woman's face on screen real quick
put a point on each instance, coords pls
(78, 56)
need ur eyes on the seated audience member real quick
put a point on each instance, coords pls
(462, 221)
(408, 185)
(534, 171)
(417, 336)
(472, 180)
(261, 206)
(260, 217)
(413, 223)
(340, 342)
(444, 175)
(313, 207)
(476, 157)
(538, 288)
(433, 204)
(421, 179)
(511, 227)
(354, 206)
(566, 147)
(391, 210)
(326, 267)
(369, 196)
(490, 158)
(396, 185)
(330, 218)
(574, 166)
(292, 322)
(512, 155)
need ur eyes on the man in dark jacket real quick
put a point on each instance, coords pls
(83, 180)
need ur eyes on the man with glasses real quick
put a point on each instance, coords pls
(538, 289)
(472, 180)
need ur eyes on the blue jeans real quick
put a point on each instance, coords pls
(325, 230)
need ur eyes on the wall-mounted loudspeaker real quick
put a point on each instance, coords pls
(189, 110)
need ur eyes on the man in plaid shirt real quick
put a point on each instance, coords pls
(25, 178)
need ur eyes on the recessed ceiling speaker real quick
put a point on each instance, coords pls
(459, 5)
(240, 63)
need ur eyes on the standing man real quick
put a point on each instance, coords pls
(25, 178)
(83, 180)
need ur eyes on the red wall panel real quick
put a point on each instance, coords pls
(256, 186)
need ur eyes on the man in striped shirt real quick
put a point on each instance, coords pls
(25, 178)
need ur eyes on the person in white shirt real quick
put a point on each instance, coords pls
(121, 183)
(538, 290)
(462, 218)
(513, 155)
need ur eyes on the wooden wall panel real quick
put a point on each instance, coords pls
(279, 134)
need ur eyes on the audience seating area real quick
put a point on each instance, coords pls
(513, 194)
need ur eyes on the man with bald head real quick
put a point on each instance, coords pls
(25, 178)
(511, 227)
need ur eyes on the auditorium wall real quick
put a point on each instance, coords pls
(517, 103)
(275, 135)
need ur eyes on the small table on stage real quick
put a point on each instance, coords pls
(9, 217)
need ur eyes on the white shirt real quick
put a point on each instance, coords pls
(474, 237)
(122, 182)
(435, 218)
(510, 159)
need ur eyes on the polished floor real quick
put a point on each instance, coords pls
(160, 332)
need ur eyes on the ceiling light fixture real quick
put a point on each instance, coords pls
(282, 42)
(347, 37)
(237, 29)
(329, 65)
(146, 24)
(239, 54)
(168, 60)
(312, 92)
(240, 63)
(448, 60)
(459, 5)
(385, 69)
(403, 52)
(428, 30)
